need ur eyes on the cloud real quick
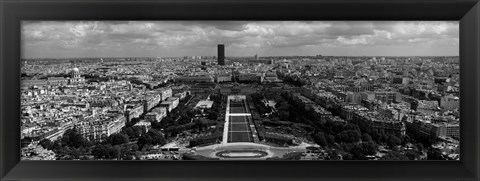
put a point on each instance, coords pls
(175, 38)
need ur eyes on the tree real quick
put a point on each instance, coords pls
(394, 155)
(115, 152)
(412, 154)
(100, 151)
(144, 140)
(138, 130)
(420, 147)
(360, 151)
(25, 142)
(283, 106)
(158, 138)
(350, 126)
(348, 136)
(320, 139)
(376, 136)
(284, 115)
(129, 131)
(127, 151)
(153, 137)
(134, 131)
(338, 127)
(366, 137)
(331, 139)
(46, 143)
(406, 139)
(393, 141)
(357, 152)
(369, 148)
(292, 156)
(347, 156)
(156, 125)
(212, 115)
(333, 155)
(107, 151)
(74, 139)
(190, 113)
(56, 145)
(434, 154)
(414, 105)
(166, 121)
(117, 139)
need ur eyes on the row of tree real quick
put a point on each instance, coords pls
(259, 105)
(204, 140)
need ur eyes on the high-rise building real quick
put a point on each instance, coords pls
(221, 54)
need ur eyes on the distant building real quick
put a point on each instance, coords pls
(75, 77)
(144, 124)
(171, 103)
(314, 110)
(250, 77)
(221, 54)
(353, 97)
(103, 103)
(195, 79)
(166, 93)
(101, 129)
(427, 107)
(152, 116)
(450, 102)
(37, 82)
(401, 80)
(388, 97)
(181, 95)
(453, 130)
(37, 152)
(368, 96)
(237, 90)
(269, 77)
(440, 80)
(57, 81)
(133, 111)
(224, 78)
(428, 131)
(204, 104)
(157, 114)
(320, 114)
(150, 101)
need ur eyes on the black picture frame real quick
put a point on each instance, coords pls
(14, 11)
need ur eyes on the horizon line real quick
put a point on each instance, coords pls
(248, 56)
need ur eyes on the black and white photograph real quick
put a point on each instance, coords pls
(240, 90)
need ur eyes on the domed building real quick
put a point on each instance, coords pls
(75, 76)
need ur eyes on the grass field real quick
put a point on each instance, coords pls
(237, 107)
(234, 110)
(238, 119)
(238, 129)
(239, 137)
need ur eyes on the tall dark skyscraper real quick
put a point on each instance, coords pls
(221, 54)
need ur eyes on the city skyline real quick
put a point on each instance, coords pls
(72, 39)
(277, 108)
(240, 90)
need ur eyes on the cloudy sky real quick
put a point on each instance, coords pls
(55, 39)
